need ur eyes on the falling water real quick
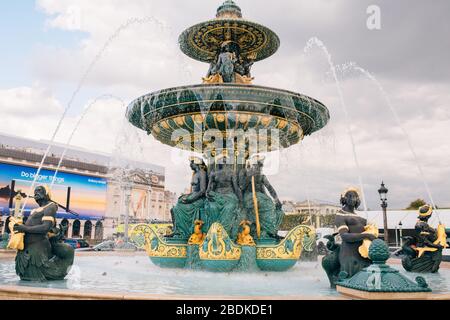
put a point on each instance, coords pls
(85, 112)
(354, 66)
(97, 57)
(319, 43)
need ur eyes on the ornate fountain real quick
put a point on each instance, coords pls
(231, 123)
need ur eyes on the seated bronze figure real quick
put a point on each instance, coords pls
(43, 255)
(423, 252)
(345, 260)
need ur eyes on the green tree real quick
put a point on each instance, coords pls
(328, 221)
(291, 221)
(416, 204)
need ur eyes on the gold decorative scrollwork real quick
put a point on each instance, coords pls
(218, 245)
(290, 247)
(209, 37)
(156, 247)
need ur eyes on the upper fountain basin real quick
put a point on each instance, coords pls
(227, 107)
(203, 41)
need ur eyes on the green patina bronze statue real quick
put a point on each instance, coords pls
(224, 198)
(268, 214)
(230, 66)
(44, 256)
(225, 64)
(345, 260)
(190, 206)
(423, 253)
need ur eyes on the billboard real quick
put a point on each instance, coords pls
(87, 196)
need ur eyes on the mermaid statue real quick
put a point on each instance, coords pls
(350, 257)
(423, 252)
(266, 215)
(42, 255)
(190, 207)
(224, 198)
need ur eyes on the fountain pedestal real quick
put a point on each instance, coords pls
(219, 253)
(379, 281)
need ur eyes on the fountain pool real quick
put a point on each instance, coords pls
(131, 273)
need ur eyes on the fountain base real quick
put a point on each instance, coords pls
(366, 295)
(218, 253)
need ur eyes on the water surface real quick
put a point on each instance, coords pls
(136, 274)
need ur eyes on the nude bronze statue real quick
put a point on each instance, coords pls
(44, 256)
(345, 259)
(229, 66)
(270, 213)
(423, 252)
(190, 206)
(225, 64)
(224, 198)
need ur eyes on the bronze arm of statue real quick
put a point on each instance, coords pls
(237, 190)
(211, 180)
(43, 228)
(429, 243)
(212, 69)
(243, 67)
(272, 192)
(355, 237)
(348, 236)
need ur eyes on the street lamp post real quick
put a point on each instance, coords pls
(400, 224)
(383, 192)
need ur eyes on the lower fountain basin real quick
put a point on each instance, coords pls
(130, 275)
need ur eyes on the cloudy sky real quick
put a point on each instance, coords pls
(102, 54)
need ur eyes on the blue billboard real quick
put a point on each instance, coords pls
(87, 195)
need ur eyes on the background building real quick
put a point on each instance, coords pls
(318, 214)
(321, 215)
(95, 195)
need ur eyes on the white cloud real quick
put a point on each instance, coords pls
(28, 102)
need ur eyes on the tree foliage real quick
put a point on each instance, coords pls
(416, 204)
(291, 221)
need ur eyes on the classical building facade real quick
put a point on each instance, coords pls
(142, 194)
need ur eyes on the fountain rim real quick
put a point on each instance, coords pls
(230, 85)
(316, 115)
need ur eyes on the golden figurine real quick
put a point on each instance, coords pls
(244, 237)
(198, 236)
(16, 241)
